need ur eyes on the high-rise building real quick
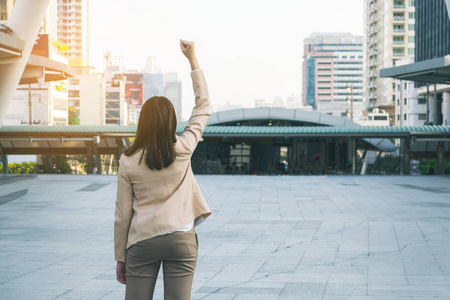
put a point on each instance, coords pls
(6, 7)
(428, 71)
(151, 65)
(433, 41)
(389, 36)
(153, 85)
(116, 109)
(332, 67)
(172, 91)
(410, 108)
(433, 29)
(73, 30)
(92, 93)
(87, 97)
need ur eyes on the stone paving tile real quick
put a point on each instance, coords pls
(270, 237)
(29, 293)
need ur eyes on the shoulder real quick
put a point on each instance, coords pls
(181, 146)
(127, 160)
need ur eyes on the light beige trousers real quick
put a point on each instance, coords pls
(178, 254)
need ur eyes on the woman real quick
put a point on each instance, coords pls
(159, 202)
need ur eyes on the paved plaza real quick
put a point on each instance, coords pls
(269, 237)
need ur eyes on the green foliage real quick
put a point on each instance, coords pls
(74, 119)
(427, 166)
(55, 164)
(20, 168)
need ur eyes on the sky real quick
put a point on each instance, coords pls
(248, 49)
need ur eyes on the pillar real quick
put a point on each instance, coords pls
(446, 108)
(98, 160)
(428, 105)
(98, 164)
(406, 159)
(89, 157)
(25, 22)
(436, 105)
(440, 159)
(337, 159)
(351, 154)
(432, 108)
(5, 164)
(326, 157)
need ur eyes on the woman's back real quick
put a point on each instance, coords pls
(152, 202)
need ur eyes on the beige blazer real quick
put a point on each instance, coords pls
(153, 202)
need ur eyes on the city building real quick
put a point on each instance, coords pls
(389, 36)
(153, 85)
(227, 106)
(431, 67)
(172, 91)
(375, 118)
(410, 108)
(433, 41)
(333, 73)
(134, 95)
(6, 7)
(116, 109)
(140, 87)
(151, 65)
(92, 98)
(291, 102)
(87, 97)
(73, 30)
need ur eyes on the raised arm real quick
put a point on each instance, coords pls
(188, 50)
(201, 112)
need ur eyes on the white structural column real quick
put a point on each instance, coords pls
(446, 108)
(432, 105)
(25, 22)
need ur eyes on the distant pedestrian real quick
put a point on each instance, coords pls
(159, 202)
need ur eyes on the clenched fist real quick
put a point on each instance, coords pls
(187, 47)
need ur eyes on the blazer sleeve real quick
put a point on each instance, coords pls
(200, 114)
(123, 213)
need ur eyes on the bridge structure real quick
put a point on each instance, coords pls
(257, 140)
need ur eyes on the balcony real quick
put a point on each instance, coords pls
(399, 42)
(398, 54)
(399, 30)
(399, 6)
(373, 9)
(399, 19)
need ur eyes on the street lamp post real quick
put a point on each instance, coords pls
(350, 89)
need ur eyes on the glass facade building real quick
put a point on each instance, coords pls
(432, 29)
(311, 83)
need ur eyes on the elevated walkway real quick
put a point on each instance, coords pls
(417, 141)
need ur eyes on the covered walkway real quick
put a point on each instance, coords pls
(261, 147)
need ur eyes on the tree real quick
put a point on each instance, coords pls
(74, 119)
(52, 164)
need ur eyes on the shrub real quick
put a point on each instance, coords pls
(20, 168)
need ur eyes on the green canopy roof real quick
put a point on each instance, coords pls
(240, 130)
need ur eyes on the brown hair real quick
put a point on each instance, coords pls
(156, 133)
